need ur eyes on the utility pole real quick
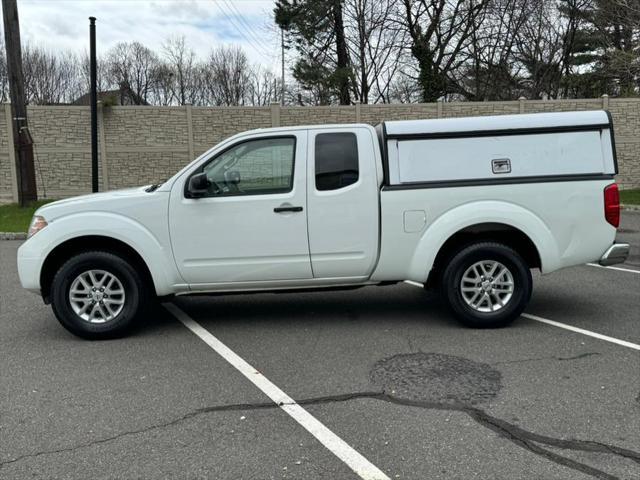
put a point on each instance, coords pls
(282, 79)
(27, 191)
(94, 104)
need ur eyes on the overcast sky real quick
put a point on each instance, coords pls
(63, 24)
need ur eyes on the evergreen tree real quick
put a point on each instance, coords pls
(316, 28)
(606, 55)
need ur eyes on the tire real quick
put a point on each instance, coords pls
(488, 303)
(85, 272)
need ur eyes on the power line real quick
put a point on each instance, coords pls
(238, 17)
(249, 29)
(242, 20)
(241, 31)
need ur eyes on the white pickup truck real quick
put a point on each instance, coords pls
(466, 205)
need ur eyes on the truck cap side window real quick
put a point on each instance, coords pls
(336, 161)
(255, 167)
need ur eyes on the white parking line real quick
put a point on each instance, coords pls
(599, 336)
(614, 268)
(354, 460)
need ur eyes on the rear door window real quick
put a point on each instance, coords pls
(336, 160)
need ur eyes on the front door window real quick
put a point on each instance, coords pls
(256, 167)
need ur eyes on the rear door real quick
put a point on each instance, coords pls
(342, 199)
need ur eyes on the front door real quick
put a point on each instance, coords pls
(251, 226)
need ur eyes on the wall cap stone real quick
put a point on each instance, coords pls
(13, 236)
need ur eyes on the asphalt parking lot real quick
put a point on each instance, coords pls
(411, 394)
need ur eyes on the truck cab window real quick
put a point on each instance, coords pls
(256, 167)
(336, 160)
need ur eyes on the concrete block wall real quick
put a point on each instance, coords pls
(141, 145)
(626, 119)
(212, 125)
(7, 170)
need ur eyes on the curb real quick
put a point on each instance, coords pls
(631, 208)
(13, 236)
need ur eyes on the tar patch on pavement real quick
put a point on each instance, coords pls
(436, 378)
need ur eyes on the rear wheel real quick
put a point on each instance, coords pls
(487, 285)
(98, 295)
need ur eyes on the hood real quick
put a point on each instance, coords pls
(103, 201)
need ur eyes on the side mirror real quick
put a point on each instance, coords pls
(198, 185)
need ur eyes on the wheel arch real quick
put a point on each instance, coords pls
(73, 246)
(485, 232)
(497, 221)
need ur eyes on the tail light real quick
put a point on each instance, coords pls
(612, 205)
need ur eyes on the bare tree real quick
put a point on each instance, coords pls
(182, 64)
(163, 90)
(404, 88)
(491, 72)
(83, 84)
(133, 67)
(263, 87)
(49, 78)
(304, 94)
(375, 47)
(374, 51)
(545, 43)
(440, 31)
(227, 76)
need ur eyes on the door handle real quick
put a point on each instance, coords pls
(284, 209)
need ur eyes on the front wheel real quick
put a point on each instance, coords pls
(487, 285)
(98, 295)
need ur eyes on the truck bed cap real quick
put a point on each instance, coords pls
(593, 118)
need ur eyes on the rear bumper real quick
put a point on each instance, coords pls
(616, 253)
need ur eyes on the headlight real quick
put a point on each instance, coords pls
(37, 224)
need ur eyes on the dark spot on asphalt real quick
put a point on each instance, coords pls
(437, 378)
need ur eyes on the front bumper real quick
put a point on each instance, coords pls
(29, 266)
(616, 253)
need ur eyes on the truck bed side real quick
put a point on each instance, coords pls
(442, 182)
